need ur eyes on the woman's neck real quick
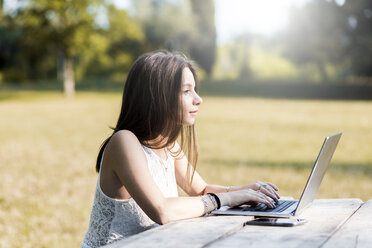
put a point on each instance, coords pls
(158, 143)
(159, 146)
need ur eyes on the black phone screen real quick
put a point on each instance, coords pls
(276, 222)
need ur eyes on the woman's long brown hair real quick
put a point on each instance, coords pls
(151, 106)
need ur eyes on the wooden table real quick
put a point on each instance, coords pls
(331, 223)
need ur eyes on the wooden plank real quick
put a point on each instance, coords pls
(187, 233)
(356, 232)
(324, 218)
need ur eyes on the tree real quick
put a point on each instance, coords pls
(67, 27)
(183, 25)
(329, 32)
(314, 35)
(358, 36)
(166, 24)
(203, 46)
(10, 49)
(116, 46)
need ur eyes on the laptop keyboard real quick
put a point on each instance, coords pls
(279, 207)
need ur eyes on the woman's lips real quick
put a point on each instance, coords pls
(193, 112)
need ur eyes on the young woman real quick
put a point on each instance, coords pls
(152, 149)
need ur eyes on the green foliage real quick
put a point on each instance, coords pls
(314, 35)
(249, 60)
(325, 41)
(38, 38)
(326, 35)
(182, 25)
(203, 47)
(48, 27)
(358, 40)
(99, 40)
(115, 47)
(166, 24)
(10, 47)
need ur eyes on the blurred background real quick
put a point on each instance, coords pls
(276, 78)
(93, 43)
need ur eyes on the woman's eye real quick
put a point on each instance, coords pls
(186, 91)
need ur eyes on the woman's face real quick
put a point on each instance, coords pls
(189, 98)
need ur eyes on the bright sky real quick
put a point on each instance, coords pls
(234, 17)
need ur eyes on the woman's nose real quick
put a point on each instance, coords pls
(197, 100)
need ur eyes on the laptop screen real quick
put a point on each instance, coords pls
(318, 171)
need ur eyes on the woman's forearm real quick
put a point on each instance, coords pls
(179, 208)
(211, 188)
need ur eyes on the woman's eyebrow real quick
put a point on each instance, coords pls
(188, 84)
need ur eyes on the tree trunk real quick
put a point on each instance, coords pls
(68, 75)
(60, 66)
(322, 72)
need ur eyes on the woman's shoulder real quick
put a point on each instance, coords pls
(124, 134)
(124, 149)
(124, 139)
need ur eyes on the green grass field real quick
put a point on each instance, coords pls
(48, 147)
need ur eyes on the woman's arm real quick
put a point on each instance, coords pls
(266, 188)
(127, 159)
(200, 187)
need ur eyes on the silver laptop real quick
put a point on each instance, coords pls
(288, 208)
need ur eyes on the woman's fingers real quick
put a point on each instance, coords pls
(270, 192)
(264, 199)
(268, 189)
(272, 186)
(259, 183)
(259, 197)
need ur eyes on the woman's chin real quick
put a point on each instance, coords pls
(189, 122)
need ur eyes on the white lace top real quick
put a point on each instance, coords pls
(112, 219)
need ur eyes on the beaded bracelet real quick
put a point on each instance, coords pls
(215, 204)
(209, 203)
(217, 199)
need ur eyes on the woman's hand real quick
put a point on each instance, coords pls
(258, 192)
(244, 196)
(267, 188)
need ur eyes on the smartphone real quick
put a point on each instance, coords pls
(276, 222)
